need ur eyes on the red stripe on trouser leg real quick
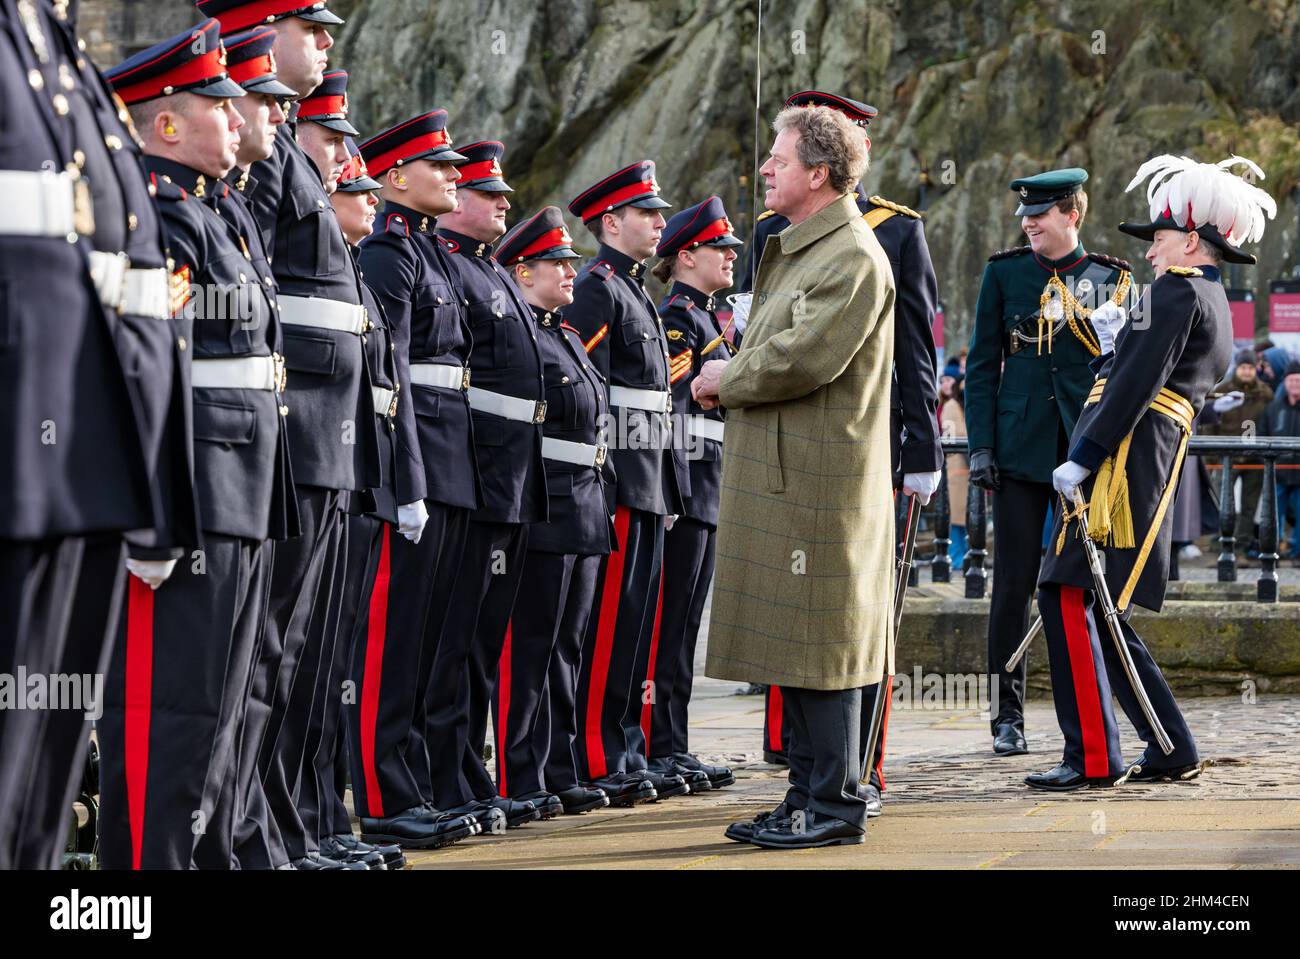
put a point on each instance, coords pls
(1083, 670)
(775, 717)
(376, 633)
(138, 707)
(888, 693)
(647, 708)
(503, 709)
(610, 594)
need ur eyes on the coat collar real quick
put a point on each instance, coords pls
(1070, 260)
(548, 319)
(622, 263)
(465, 245)
(702, 300)
(187, 178)
(418, 222)
(826, 220)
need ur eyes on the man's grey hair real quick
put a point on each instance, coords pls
(1208, 250)
(827, 137)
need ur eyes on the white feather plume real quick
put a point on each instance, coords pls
(1207, 193)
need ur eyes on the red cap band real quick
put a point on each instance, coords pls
(421, 144)
(548, 240)
(323, 107)
(252, 69)
(618, 198)
(207, 67)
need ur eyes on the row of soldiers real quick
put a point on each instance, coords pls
(362, 479)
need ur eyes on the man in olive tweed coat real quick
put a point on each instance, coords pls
(804, 590)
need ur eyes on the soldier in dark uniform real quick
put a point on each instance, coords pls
(172, 717)
(623, 335)
(915, 453)
(507, 405)
(332, 448)
(697, 251)
(392, 785)
(1125, 455)
(1026, 378)
(106, 450)
(533, 711)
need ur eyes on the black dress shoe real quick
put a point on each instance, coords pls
(719, 776)
(516, 813)
(419, 827)
(392, 854)
(808, 831)
(332, 849)
(582, 799)
(871, 796)
(624, 789)
(696, 780)
(776, 757)
(317, 864)
(666, 785)
(1061, 779)
(1008, 740)
(744, 831)
(548, 805)
(1139, 772)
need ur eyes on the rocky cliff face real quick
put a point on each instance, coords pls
(971, 94)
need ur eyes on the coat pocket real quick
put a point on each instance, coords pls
(775, 474)
(307, 353)
(224, 423)
(312, 252)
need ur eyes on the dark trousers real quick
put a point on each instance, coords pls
(687, 573)
(777, 728)
(395, 637)
(173, 707)
(537, 674)
(824, 752)
(271, 741)
(1086, 669)
(465, 663)
(59, 599)
(1019, 510)
(616, 652)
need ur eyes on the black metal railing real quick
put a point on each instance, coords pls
(1264, 451)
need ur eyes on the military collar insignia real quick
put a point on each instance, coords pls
(424, 224)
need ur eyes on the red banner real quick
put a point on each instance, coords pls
(1284, 313)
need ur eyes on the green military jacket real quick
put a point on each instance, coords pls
(1020, 402)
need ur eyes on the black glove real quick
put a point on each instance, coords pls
(984, 470)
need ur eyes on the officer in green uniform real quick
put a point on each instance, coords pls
(1027, 376)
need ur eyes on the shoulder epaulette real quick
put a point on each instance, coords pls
(764, 215)
(601, 269)
(1114, 261)
(1013, 251)
(564, 325)
(396, 223)
(451, 246)
(685, 303)
(165, 189)
(896, 207)
(1184, 271)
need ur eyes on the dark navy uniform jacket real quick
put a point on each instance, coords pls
(576, 405)
(624, 337)
(94, 432)
(238, 441)
(409, 274)
(505, 358)
(692, 327)
(914, 435)
(330, 413)
(1183, 346)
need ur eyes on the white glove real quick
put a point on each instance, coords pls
(1229, 401)
(152, 571)
(1108, 319)
(411, 519)
(740, 303)
(922, 484)
(669, 520)
(1067, 477)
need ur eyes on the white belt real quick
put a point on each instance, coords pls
(37, 203)
(580, 454)
(656, 401)
(323, 313)
(508, 407)
(385, 400)
(138, 292)
(239, 373)
(438, 374)
(710, 429)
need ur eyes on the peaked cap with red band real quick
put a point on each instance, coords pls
(705, 224)
(190, 62)
(328, 104)
(422, 137)
(236, 15)
(482, 167)
(543, 236)
(633, 185)
(252, 64)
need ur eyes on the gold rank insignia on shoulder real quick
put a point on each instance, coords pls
(896, 207)
(1185, 271)
(764, 215)
(676, 335)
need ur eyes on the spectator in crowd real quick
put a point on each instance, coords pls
(1237, 403)
(1282, 418)
(952, 425)
(1273, 361)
